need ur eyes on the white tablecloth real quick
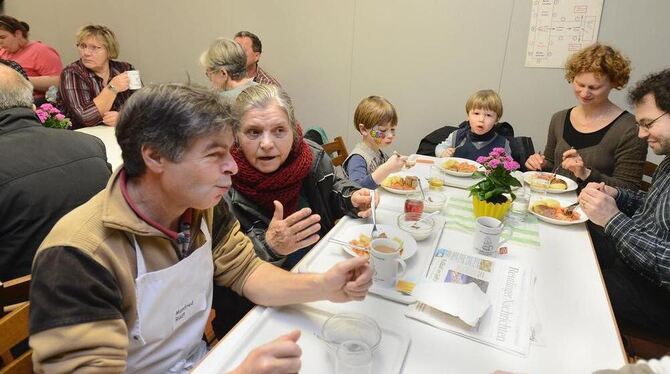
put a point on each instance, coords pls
(106, 134)
(579, 334)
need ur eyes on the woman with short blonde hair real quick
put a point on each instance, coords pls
(93, 88)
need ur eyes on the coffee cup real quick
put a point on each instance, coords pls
(488, 231)
(134, 81)
(386, 262)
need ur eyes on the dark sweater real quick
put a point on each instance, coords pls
(44, 174)
(616, 160)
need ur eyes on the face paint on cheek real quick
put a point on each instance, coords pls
(378, 136)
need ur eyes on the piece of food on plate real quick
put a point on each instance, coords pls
(555, 183)
(406, 183)
(552, 209)
(364, 242)
(459, 166)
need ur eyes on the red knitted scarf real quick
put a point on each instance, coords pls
(283, 184)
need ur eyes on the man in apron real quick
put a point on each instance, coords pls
(124, 282)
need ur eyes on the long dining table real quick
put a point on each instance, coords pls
(577, 330)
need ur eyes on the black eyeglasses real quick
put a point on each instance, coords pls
(647, 126)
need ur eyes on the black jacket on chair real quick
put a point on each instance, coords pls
(44, 173)
(522, 146)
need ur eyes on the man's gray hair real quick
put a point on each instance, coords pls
(16, 92)
(167, 118)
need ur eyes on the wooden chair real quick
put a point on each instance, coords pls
(337, 147)
(210, 336)
(14, 292)
(649, 169)
(14, 327)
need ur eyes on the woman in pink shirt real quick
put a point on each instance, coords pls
(41, 62)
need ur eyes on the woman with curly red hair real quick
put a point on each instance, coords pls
(595, 141)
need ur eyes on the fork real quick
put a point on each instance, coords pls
(375, 232)
(570, 208)
(345, 243)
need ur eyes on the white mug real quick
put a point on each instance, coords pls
(487, 235)
(386, 262)
(134, 81)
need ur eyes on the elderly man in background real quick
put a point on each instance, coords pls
(44, 174)
(253, 48)
(124, 282)
(225, 66)
(638, 223)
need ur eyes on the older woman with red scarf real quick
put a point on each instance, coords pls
(285, 194)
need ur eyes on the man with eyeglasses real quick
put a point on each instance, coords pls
(638, 223)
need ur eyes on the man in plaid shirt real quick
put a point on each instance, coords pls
(638, 223)
(253, 48)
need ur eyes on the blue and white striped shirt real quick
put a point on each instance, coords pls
(641, 230)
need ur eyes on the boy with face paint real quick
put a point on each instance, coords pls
(476, 136)
(368, 165)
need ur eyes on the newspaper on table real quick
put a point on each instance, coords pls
(506, 325)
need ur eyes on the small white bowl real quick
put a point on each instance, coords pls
(434, 201)
(419, 229)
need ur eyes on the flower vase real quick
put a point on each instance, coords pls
(495, 210)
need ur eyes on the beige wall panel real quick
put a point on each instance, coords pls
(532, 95)
(307, 46)
(426, 57)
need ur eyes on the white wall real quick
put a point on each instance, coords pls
(425, 56)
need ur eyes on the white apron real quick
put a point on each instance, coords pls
(172, 309)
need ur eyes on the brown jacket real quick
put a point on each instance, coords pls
(83, 287)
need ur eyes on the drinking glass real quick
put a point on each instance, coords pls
(519, 209)
(414, 205)
(435, 178)
(540, 185)
(353, 357)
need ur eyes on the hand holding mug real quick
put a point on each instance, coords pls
(120, 82)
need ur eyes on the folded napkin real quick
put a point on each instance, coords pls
(465, 301)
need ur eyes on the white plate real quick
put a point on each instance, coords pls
(441, 161)
(352, 232)
(582, 217)
(401, 192)
(572, 185)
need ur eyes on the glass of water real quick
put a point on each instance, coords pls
(519, 209)
(353, 357)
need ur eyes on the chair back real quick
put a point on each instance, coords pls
(14, 327)
(430, 141)
(522, 148)
(12, 292)
(649, 169)
(337, 148)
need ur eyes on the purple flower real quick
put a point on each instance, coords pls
(496, 152)
(60, 117)
(49, 108)
(42, 115)
(494, 163)
(511, 165)
(482, 159)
